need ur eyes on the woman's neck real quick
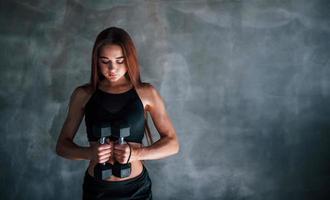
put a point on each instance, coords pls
(119, 85)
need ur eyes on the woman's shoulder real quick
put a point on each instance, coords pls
(147, 88)
(149, 92)
(83, 90)
(82, 93)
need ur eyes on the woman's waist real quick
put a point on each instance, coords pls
(136, 170)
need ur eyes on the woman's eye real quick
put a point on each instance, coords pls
(107, 62)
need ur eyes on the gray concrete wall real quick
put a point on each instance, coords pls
(246, 83)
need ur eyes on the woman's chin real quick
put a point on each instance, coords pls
(112, 78)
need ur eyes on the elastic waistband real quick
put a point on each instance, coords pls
(89, 178)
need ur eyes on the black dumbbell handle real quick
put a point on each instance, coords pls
(102, 141)
(121, 140)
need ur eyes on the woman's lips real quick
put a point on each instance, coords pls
(112, 74)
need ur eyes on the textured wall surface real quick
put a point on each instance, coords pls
(246, 83)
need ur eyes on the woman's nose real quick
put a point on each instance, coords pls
(110, 65)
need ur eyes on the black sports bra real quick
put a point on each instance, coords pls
(117, 110)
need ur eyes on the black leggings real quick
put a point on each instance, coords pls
(135, 188)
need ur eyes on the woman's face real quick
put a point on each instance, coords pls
(111, 62)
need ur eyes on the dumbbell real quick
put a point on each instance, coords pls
(121, 170)
(102, 171)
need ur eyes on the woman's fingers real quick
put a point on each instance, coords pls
(121, 152)
(112, 151)
(104, 146)
(103, 152)
(104, 158)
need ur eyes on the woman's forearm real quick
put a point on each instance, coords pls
(72, 151)
(162, 148)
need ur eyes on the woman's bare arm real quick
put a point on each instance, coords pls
(168, 143)
(65, 146)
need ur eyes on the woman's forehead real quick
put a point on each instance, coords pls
(111, 51)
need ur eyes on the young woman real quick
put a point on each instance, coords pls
(115, 93)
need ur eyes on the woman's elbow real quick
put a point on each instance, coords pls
(176, 146)
(59, 149)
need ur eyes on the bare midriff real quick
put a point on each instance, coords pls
(136, 167)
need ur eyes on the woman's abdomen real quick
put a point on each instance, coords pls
(136, 169)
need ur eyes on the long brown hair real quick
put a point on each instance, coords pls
(118, 36)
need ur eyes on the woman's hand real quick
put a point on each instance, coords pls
(122, 152)
(101, 153)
